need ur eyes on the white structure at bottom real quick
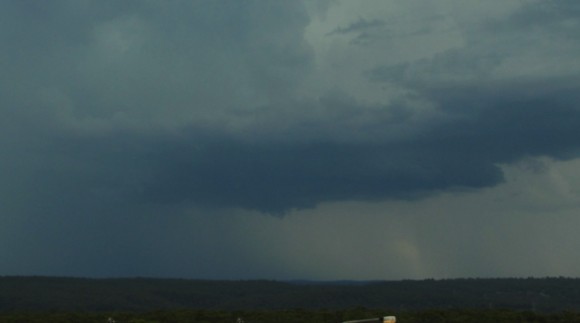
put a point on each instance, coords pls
(385, 319)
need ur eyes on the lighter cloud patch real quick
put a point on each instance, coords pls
(115, 39)
(408, 252)
(343, 241)
(542, 183)
(495, 232)
(341, 64)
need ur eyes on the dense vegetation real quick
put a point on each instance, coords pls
(142, 295)
(290, 316)
(140, 300)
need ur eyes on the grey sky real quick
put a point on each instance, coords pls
(289, 139)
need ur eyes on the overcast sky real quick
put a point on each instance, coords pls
(321, 139)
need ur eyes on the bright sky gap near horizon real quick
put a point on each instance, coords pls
(315, 139)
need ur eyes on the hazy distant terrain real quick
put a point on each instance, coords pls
(144, 294)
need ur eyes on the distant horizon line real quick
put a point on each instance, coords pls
(291, 281)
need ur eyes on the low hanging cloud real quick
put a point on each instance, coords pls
(454, 154)
(208, 169)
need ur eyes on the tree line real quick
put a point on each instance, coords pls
(290, 316)
(46, 294)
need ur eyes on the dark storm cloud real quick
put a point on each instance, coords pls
(155, 138)
(358, 26)
(208, 169)
(462, 152)
(363, 30)
(192, 104)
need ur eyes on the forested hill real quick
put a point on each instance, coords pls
(140, 294)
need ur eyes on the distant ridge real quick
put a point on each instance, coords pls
(144, 294)
(332, 282)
